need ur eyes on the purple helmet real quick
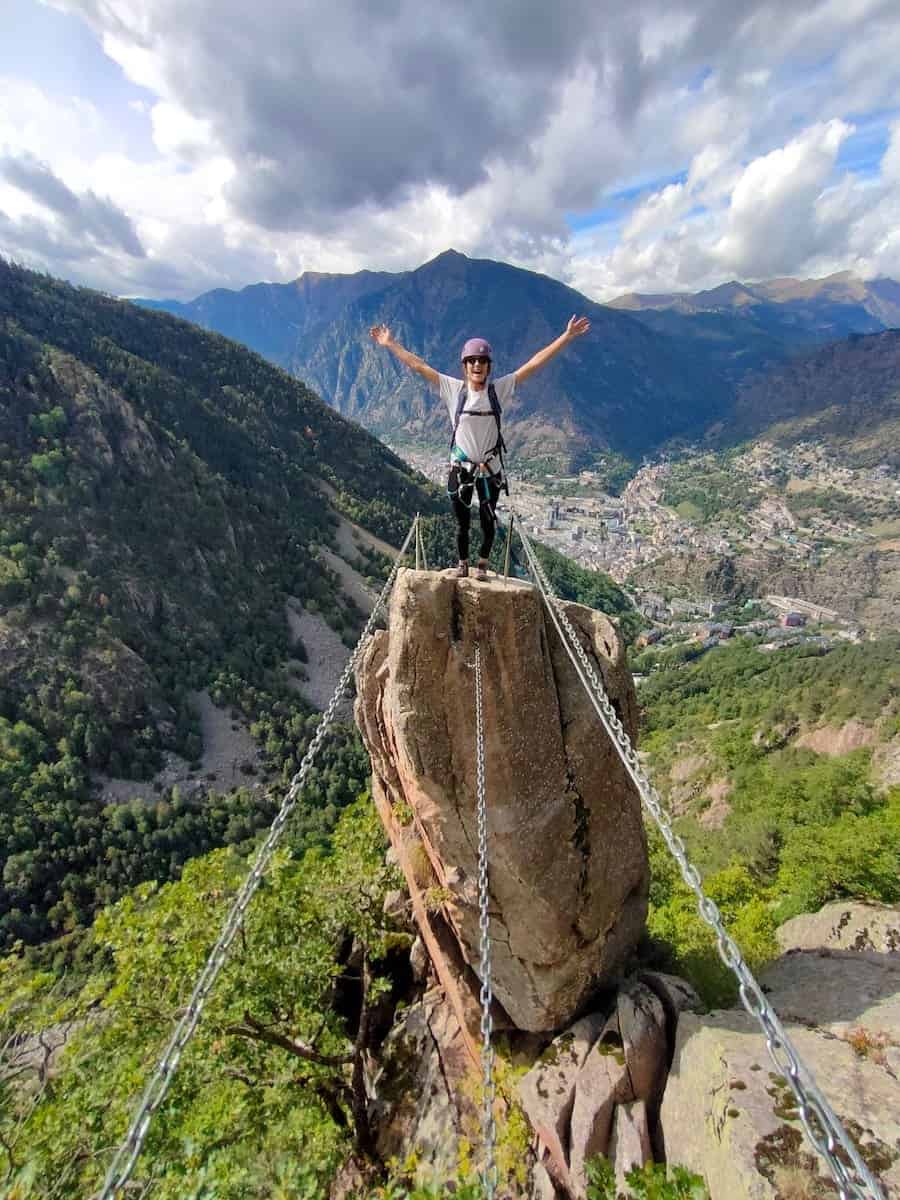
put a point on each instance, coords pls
(476, 346)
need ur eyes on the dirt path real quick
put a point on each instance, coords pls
(326, 653)
(348, 535)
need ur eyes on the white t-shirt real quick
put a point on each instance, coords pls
(476, 435)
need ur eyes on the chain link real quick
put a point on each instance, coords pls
(127, 1154)
(488, 1125)
(824, 1129)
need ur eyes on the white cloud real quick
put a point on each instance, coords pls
(773, 220)
(53, 131)
(778, 215)
(890, 164)
(324, 136)
(178, 134)
(143, 64)
(658, 211)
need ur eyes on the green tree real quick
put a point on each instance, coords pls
(275, 1062)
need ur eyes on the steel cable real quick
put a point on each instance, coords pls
(488, 1124)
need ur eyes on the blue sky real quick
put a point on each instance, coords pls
(158, 147)
(60, 54)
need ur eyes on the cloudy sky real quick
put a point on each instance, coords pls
(165, 147)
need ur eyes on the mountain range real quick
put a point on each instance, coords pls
(622, 387)
(654, 369)
(812, 302)
(742, 328)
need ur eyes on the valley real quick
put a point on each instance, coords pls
(689, 535)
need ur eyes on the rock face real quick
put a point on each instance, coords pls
(425, 1103)
(844, 925)
(568, 859)
(729, 1115)
(597, 1088)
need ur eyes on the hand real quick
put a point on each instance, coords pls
(577, 326)
(381, 334)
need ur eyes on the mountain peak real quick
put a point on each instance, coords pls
(731, 293)
(445, 257)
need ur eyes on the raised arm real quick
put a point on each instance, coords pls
(575, 328)
(383, 337)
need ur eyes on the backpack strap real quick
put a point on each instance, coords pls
(501, 445)
(460, 405)
(498, 412)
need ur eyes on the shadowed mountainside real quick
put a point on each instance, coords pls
(845, 395)
(621, 387)
(654, 368)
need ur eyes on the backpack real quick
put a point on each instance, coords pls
(495, 411)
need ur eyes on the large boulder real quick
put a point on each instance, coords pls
(568, 857)
(547, 1091)
(844, 925)
(730, 1115)
(596, 1088)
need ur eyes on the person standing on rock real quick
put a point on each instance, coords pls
(474, 406)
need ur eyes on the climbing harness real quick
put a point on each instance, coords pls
(465, 474)
(127, 1154)
(823, 1128)
(488, 1125)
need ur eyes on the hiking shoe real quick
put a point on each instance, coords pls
(481, 571)
(463, 569)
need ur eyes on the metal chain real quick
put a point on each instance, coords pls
(127, 1154)
(823, 1128)
(488, 1125)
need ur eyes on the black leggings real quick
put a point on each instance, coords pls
(460, 487)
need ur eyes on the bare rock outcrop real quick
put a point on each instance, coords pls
(729, 1115)
(422, 1090)
(844, 925)
(568, 858)
(597, 1088)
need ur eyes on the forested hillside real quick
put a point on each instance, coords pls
(784, 773)
(161, 497)
(801, 828)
